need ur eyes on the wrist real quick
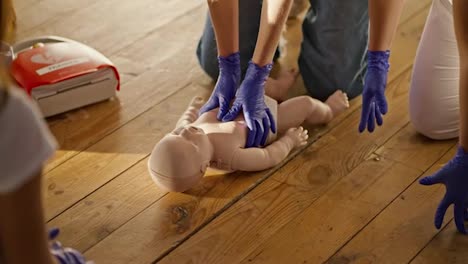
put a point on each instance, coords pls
(378, 59)
(257, 72)
(462, 154)
(288, 141)
(230, 64)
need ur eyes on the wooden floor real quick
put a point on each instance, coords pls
(345, 198)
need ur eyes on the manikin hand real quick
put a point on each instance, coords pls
(64, 255)
(226, 86)
(250, 99)
(374, 104)
(298, 135)
(454, 175)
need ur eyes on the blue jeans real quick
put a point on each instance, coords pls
(333, 50)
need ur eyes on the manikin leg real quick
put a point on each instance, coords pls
(305, 109)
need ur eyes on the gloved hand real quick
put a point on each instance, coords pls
(374, 104)
(454, 175)
(250, 99)
(64, 255)
(226, 86)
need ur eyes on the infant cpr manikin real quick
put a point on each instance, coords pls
(180, 159)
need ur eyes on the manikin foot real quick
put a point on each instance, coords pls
(338, 102)
(278, 89)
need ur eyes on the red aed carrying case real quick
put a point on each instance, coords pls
(62, 74)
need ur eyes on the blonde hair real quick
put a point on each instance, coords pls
(7, 32)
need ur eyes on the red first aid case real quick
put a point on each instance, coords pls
(62, 74)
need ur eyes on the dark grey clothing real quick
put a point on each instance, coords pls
(333, 51)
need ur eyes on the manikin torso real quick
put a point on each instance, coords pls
(227, 137)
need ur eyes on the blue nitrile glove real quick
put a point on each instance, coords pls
(64, 255)
(250, 99)
(226, 86)
(454, 175)
(374, 104)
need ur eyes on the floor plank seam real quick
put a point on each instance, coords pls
(432, 239)
(125, 222)
(149, 33)
(119, 127)
(380, 212)
(54, 20)
(95, 190)
(134, 164)
(422, 9)
(434, 236)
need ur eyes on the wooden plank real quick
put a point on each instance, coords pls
(100, 213)
(34, 14)
(106, 25)
(412, 7)
(59, 17)
(353, 202)
(413, 149)
(401, 230)
(77, 130)
(448, 246)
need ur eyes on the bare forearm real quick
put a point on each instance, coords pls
(274, 15)
(461, 32)
(22, 226)
(384, 16)
(225, 18)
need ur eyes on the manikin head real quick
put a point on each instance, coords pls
(181, 158)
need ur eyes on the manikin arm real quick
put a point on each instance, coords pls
(191, 113)
(256, 159)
